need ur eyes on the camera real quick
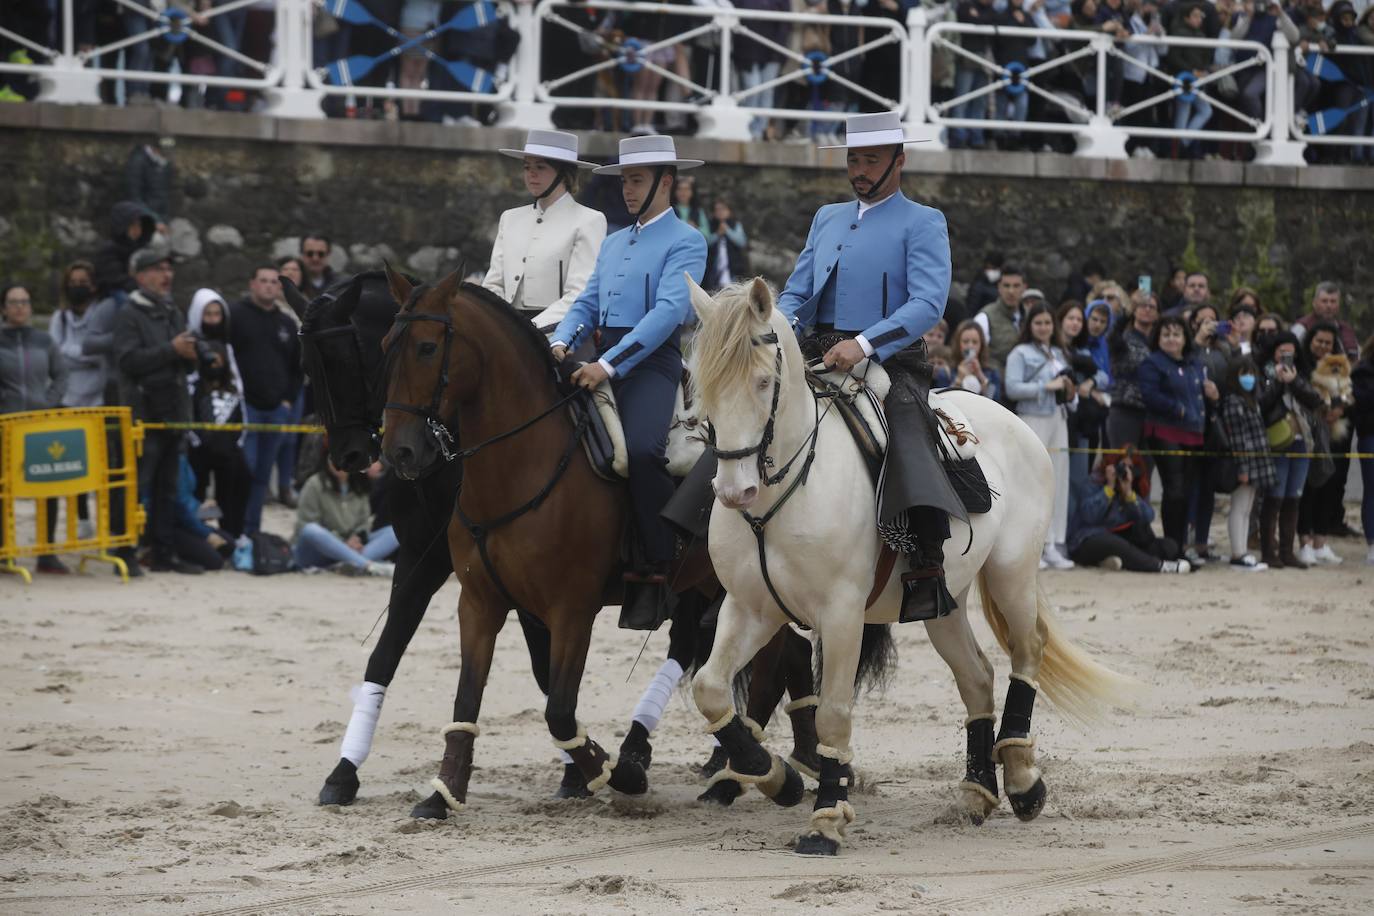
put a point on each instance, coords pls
(1223, 328)
(1065, 395)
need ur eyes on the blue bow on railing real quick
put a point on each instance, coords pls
(347, 71)
(1328, 119)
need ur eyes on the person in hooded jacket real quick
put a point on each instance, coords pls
(87, 372)
(217, 397)
(132, 227)
(33, 376)
(1342, 28)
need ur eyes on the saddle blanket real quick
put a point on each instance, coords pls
(605, 437)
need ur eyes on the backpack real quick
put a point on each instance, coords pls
(271, 555)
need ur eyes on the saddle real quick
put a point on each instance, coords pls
(604, 440)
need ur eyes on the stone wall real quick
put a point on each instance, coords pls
(428, 197)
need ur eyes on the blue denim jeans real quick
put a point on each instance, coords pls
(1292, 472)
(286, 456)
(318, 546)
(1366, 446)
(261, 450)
(1192, 115)
(968, 78)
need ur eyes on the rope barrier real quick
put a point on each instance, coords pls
(240, 427)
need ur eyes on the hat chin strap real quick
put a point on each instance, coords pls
(882, 179)
(659, 172)
(560, 178)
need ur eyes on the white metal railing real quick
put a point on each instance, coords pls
(720, 105)
(294, 84)
(1101, 130)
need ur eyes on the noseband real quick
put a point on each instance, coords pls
(434, 423)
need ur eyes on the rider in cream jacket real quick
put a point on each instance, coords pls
(545, 250)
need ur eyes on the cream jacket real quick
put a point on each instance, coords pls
(536, 248)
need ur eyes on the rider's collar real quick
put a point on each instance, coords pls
(865, 206)
(640, 227)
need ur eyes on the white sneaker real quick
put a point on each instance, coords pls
(1044, 565)
(1176, 566)
(381, 569)
(1112, 563)
(1327, 557)
(1369, 557)
(1307, 555)
(1052, 556)
(1248, 563)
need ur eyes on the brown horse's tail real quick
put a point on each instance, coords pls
(1081, 688)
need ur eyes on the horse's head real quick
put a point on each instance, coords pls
(342, 355)
(742, 358)
(426, 379)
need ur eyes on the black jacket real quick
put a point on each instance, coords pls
(1362, 380)
(268, 354)
(152, 377)
(112, 260)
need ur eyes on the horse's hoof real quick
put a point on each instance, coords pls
(574, 784)
(341, 786)
(432, 808)
(1028, 805)
(636, 747)
(628, 777)
(816, 844)
(793, 789)
(715, 763)
(722, 793)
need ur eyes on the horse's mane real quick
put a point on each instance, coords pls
(522, 327)
(723, 356)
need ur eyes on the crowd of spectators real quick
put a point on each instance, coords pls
(1215, 400)
(366, 31)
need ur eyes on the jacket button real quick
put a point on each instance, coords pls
(853, 225)
(839, 248)
(539, 220)
(632, 241)
(517, 276)
(830, 268)
(523, 260)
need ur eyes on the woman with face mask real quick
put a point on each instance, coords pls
(1243, 425)
(87, 372)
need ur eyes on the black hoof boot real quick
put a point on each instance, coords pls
(722, 793)
(574, 785)
(715, 763)
(804, 758)
(636, 747)
(981, 771)
(629, 778)
(793, 789)
(341, 786)
(1028, 805)
(747, 756)
(815, 844)
(432, 808)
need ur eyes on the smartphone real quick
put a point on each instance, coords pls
(1223, 328)
(970, 353)
(1287, 360)
(1143, 282)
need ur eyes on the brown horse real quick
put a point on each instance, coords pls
(534, 527)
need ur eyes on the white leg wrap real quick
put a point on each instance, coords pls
(367, 707)
(453, 804)
(573, 744)
(720, 723)
(469, 727)
(655, 699)
(843, 756)
(802, 703)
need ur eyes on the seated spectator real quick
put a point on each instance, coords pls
(333, 525)
(1039, 383)
(1362, 415)
(1190, 113)
(1014, 53)
(1242, 424)
(1175, 390)
(1321, 512)
(1129, 345)
(217, 398)
(1110, 525)
(970, 76)
(973, 372)
(1287, 401)
(194, 541)
(727, 248)
(33, 376)
(756, 64)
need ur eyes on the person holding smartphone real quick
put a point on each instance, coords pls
(973, 372)
(1287, 401)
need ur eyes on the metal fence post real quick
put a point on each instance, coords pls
(523, 110)
(723, 119)
(1101, 139)
(918, 76)
(67, 81)
(1279, 149)
(295, 97)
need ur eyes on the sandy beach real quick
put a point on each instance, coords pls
(165, 741)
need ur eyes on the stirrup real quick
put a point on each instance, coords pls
(925, 596)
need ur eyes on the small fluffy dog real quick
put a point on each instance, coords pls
(1332, 379)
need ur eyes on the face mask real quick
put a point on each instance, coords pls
(1247, 382)
(79, 295)
(213, 331)
(992, 275)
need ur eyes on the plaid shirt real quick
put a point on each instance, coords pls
(1244, 430)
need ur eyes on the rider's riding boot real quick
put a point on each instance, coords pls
(647, 601)
(924, 595)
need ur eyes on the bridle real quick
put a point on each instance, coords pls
(331, 408)
(435, 427)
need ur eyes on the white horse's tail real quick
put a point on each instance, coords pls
(1081, 688)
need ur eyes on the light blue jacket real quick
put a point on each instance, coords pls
(886, 275)
(1029, 367)
(637, 283)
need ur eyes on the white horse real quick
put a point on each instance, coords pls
(819, 531)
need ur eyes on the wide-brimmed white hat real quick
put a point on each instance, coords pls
(553, 145)
(647, 152)
(881, 129)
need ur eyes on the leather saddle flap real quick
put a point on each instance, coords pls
(605, 437)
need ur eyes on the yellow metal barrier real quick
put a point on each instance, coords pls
(61, 454)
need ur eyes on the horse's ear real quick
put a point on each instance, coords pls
(293, 297)
(450, 284)
(702, 302)
(347, 302)
(396, 282)
(761, 299)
